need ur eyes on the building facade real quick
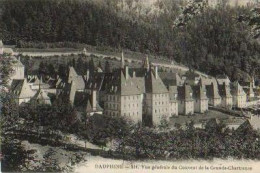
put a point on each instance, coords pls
(185, 100)
(239, 95)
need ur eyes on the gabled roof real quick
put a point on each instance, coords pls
(21, 89)
(185, 93)
(96, 81)
(212, 91)
(121, 85)
(78, 80)
(199, 92)
(207, 81)
(222, 76)
(173, 93)
(170, 79)
(83, 102)
(224, 91)
(41, 97)
(191, 75)
(237, 89)
(154, 84)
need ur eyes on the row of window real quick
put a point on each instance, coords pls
(160, 110)
(160, 95)
(129, 105)
(160, 103)
(131, 113)
(111, 113)
(111, 106)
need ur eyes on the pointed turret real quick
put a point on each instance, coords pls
(122, 61)
(146, 64)
(84, 52)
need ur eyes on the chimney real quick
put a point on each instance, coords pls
(156, 72)
(94, 99)
(126, 72)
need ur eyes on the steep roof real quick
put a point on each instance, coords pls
(237, 89)
(170, 79)
(212, 91)
(83, 102)
(154, 84)
(199, 92)
(21, 89)
(122, 85)
(41, 97)
(207, 81)
(78, 80)
(191, 75)
(173, 93)
(96, 81)
(185, 93)
(224, 91)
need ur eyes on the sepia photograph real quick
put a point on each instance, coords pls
(131, 86)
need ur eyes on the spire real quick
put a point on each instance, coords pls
(146, 64)
(122, 60)
(40, 82)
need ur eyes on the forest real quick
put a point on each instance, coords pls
(215, 41)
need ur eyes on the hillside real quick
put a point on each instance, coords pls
(214, 42)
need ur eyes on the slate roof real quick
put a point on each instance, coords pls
(207, 81)
(212, 91)
(96, 81)
(191, 75)
(170, 79)
(185, 93)
(222, 76)
(199, 92)
(154, 85)
(237, 89)
(122, 86)
(173, 93)
(21, 89)
(83, 102)
(224, 91)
